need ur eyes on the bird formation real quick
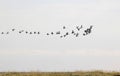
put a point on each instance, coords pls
(75, 33)
(87, 31)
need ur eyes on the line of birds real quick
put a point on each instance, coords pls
(21, 31)
(86, 32)
(67, 33)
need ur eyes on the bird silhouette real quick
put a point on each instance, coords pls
(67, 33)
(83, 34)
(64, 27)
(30, 32)
(78, 28)
(87, 31)
(38, 32)
(34, 32)
(81, 26)
(20, 32)
(72, 32)
(58, 32)
(47, 33)
(26, 32)
(2, 33)
(7, 33)
(77, 34)
(52, 33)
(61, 36)
(13, 29)
(91, 27)
(64, 35)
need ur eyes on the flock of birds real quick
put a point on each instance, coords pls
(76, 34)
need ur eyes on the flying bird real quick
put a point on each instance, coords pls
(38, 32)
(87, 31)
(78, 28)
(81, 26)
(58, 32)
(20, 32)
(47, 33)
(61, 36)
(67, 33)
(83, 34)
(34, 32)
(64, 35)
(26, 32)
(52, 33)
(90, 29)
(64, 27)
(13, 29)
(30, 32)
(7, 33)
(72, 32)
(77, 34)
(2, 33)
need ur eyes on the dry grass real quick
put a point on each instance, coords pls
(80, 73)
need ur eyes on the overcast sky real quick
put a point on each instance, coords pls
(99, 50)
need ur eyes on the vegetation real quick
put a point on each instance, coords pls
(80, 73)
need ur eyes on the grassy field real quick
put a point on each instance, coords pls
(92, 73)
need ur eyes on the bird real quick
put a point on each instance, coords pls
(38, 32)
(61, 36)
(20, 32)
(47, 33)
(64, 35)
(77, 34)
(52, 33)
(91, 27)
(2, 33)
(34, 32)
(58, 32)
(7, 33)
(72, 31)
(81, 26)
(67, 33)
(64, 27)
(26, 32)
(13, 29)
(30, 32)
(83, 34)
(78, 28)
(88, 30)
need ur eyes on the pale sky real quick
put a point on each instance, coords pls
(99, 50)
